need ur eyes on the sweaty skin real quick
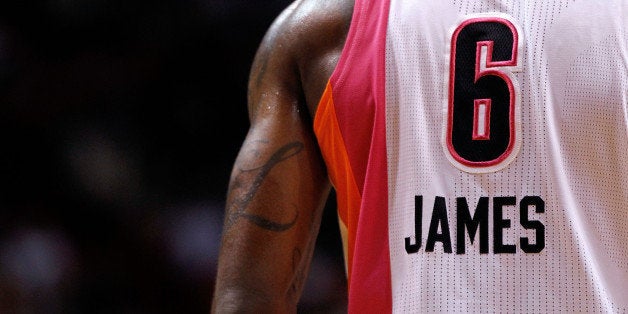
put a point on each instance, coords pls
(279, 185)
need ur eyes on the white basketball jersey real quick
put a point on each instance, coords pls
(505, 131)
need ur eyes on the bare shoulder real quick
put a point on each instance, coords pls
(303, 45)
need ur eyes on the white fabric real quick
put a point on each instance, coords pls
(572, 89)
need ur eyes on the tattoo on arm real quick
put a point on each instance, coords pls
(298, 271)
(238, 209)
(298, 265)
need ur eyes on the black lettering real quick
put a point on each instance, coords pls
(418, 219)
(475, 224)
(499, 224)
(464, 221)
(539, 207)
(439, 217)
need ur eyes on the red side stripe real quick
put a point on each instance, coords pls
(358, 87)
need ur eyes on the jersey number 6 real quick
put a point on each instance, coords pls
(482, 127)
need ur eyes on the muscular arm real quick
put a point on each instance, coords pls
(279, 185)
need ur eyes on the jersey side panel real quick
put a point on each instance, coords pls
(358, 94)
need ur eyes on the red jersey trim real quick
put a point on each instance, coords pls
(359, 101)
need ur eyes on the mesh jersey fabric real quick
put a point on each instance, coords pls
(477, 149)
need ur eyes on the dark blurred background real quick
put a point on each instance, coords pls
(119, 123)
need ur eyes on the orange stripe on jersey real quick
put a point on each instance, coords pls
(340, 171)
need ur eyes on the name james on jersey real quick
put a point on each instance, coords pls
(477, 225)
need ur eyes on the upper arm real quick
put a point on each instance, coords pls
(278, 185)
(288, 75)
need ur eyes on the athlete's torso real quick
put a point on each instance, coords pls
(478, 151)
